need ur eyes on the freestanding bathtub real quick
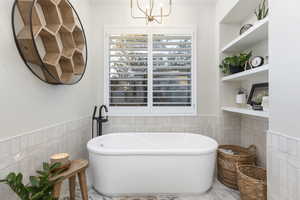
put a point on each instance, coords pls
(152, 163)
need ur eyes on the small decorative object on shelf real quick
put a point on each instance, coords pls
(241, 96)
(258, 91)
(245, 28)
(262, 11)
(50, 39)
(256, 61)
(235, 64)
(265, 103)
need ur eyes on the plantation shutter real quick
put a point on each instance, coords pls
(172, 70)
(128, 68)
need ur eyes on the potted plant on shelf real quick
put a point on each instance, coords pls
(39, 187)
(257, 103)
(235, 64)
(262, 11)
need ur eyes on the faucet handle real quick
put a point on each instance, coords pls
(94, 113)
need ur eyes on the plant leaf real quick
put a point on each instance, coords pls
(46, 166)
(34, 181)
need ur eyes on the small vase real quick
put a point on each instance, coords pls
(240, 99)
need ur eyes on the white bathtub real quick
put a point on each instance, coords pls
(152, 163)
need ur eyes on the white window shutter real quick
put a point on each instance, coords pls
(172, 70)
(151, 72)
(128, 62)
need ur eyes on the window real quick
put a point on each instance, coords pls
(150, 72)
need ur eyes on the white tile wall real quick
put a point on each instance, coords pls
(230, 128)
(283, 154)
(206, 125)
(254, 131)
(25, 153)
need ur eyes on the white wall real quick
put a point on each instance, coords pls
(26, 103)
(285, 70)
(197, 13)
(284, 134)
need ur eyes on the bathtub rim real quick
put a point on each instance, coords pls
(153, 152)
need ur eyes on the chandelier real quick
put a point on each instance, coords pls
(151, 11)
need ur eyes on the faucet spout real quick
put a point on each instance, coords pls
(102, 118)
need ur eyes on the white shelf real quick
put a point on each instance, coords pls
(255, 34)
(245, 75)
(245, 111)
(241, 10)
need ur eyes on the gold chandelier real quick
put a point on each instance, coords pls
(148, 11)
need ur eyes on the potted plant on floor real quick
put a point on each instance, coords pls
(235, 64)
(39, 188)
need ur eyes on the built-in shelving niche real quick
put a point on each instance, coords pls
(231, 42)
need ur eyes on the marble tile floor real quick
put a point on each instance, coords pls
(217, 192)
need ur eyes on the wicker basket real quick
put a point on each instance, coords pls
(252, 182)
(227, 163)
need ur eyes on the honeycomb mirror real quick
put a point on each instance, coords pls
(51, 40)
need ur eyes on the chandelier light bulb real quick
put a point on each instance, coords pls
(152, 10)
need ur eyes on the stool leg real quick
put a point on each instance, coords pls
(56, 190)
(72, 184)
(83, 185)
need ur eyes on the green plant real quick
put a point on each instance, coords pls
(237, 61)
(39, 188)
(262, 10)
(258, 99)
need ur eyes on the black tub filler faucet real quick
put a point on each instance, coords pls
(99, 120)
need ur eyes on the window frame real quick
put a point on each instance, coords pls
(151, 110)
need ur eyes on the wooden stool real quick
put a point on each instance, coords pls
(78, 167)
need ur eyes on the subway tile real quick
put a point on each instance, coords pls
(5, 147)
(283, 144)
(25, 153)
(292, 147)
(275, 141)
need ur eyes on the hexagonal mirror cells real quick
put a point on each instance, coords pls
(67, 68)
(24, 36)
(67, 42)
(67, 14)
(78, 38)
(50, 12)
(50, 42)
(24, 7)
(51, 62)
(27, 46)
(53, 73)
(66, 65)
(57, 45)
(79, 62)
(56, 1)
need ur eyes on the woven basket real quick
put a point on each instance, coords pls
(227, 163)
(252, 182)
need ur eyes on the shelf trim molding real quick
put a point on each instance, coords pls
(233, 46)
(247, 74)
(246, 111)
